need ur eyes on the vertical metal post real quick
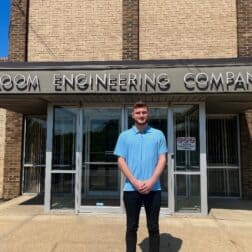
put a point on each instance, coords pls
(48, 158)
(23, 161)
(239, 153)
(203, 161)
(170, 141)
(78, 167)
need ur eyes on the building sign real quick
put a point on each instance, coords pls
(186, 143)
(147, 80)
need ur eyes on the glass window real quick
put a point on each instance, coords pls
(63, 191)
(64, 138)
(222, 156)
(187, 193)
(34, 154)
(186, 129)
(100, 173)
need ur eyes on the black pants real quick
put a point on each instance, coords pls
(133, 202)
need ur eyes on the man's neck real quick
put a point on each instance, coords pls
(141, 127)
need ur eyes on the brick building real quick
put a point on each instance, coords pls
(74, 71)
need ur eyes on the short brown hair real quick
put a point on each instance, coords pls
(140, 104)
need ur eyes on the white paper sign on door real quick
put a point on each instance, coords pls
(186, 143)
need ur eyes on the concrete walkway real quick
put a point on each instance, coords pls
(26, 228)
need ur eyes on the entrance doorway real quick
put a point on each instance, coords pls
(100, 177)
(82, 172)
(186, 168)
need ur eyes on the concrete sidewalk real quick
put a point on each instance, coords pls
(26, 228)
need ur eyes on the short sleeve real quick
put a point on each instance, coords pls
(162, 144)
(120, 148)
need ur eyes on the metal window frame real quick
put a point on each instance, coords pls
(124, 120)
(24, 165)
(203, 168)
(224, 166)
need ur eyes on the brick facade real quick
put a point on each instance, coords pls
(13, 155)
(18, 30)
(130, 29)
(244, 28)
(11, 122)
(80, 30)
(244, 33)
(188, 29)
(2, 149)
(2, 139)
(246, 150)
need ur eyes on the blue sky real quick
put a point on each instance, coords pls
(4, 26)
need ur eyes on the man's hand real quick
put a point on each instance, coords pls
(139, 185)
(147, 186)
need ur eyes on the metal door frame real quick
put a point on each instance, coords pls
(124, 123)
(82, 208)
(203, 163)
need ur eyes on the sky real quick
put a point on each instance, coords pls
(4, 26)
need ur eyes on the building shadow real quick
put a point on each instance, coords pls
(235, 204)
(168, 243)
(36, 200)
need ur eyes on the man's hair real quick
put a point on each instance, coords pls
(140, 104)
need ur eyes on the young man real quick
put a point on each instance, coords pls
(141, 153)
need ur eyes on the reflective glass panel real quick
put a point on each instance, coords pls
(186, 142)
(34, 158)
(64, 138)
(187, 193)
(100, 174)
(63, 191)
(35, 140)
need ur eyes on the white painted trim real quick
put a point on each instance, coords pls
(48, 158)
(203, 160)
(63, 171)
(171, 204)
(79, 134)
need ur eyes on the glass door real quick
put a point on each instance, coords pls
(187, 162)
(63, 164)
(100, 179)
(82, 171)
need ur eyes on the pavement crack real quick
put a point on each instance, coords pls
(19, 226)
(55, 246)
(227, 234)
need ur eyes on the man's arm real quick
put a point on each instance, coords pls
(148, 184)
(127, 173)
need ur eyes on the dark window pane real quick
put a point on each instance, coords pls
(63, 191)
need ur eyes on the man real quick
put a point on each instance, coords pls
(141, 153)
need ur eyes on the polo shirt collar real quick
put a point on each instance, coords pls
(146, 130)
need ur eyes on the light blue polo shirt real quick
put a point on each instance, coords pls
(141, 151)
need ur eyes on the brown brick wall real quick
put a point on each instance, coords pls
(79, 30)
(2, 145)
(244, 32)
(18, 30)
(244, 26)
(246, 150)
(130, 29)
(188, 29)
(12, 156)
(13, 122)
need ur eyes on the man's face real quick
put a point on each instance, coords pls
(140, 115)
